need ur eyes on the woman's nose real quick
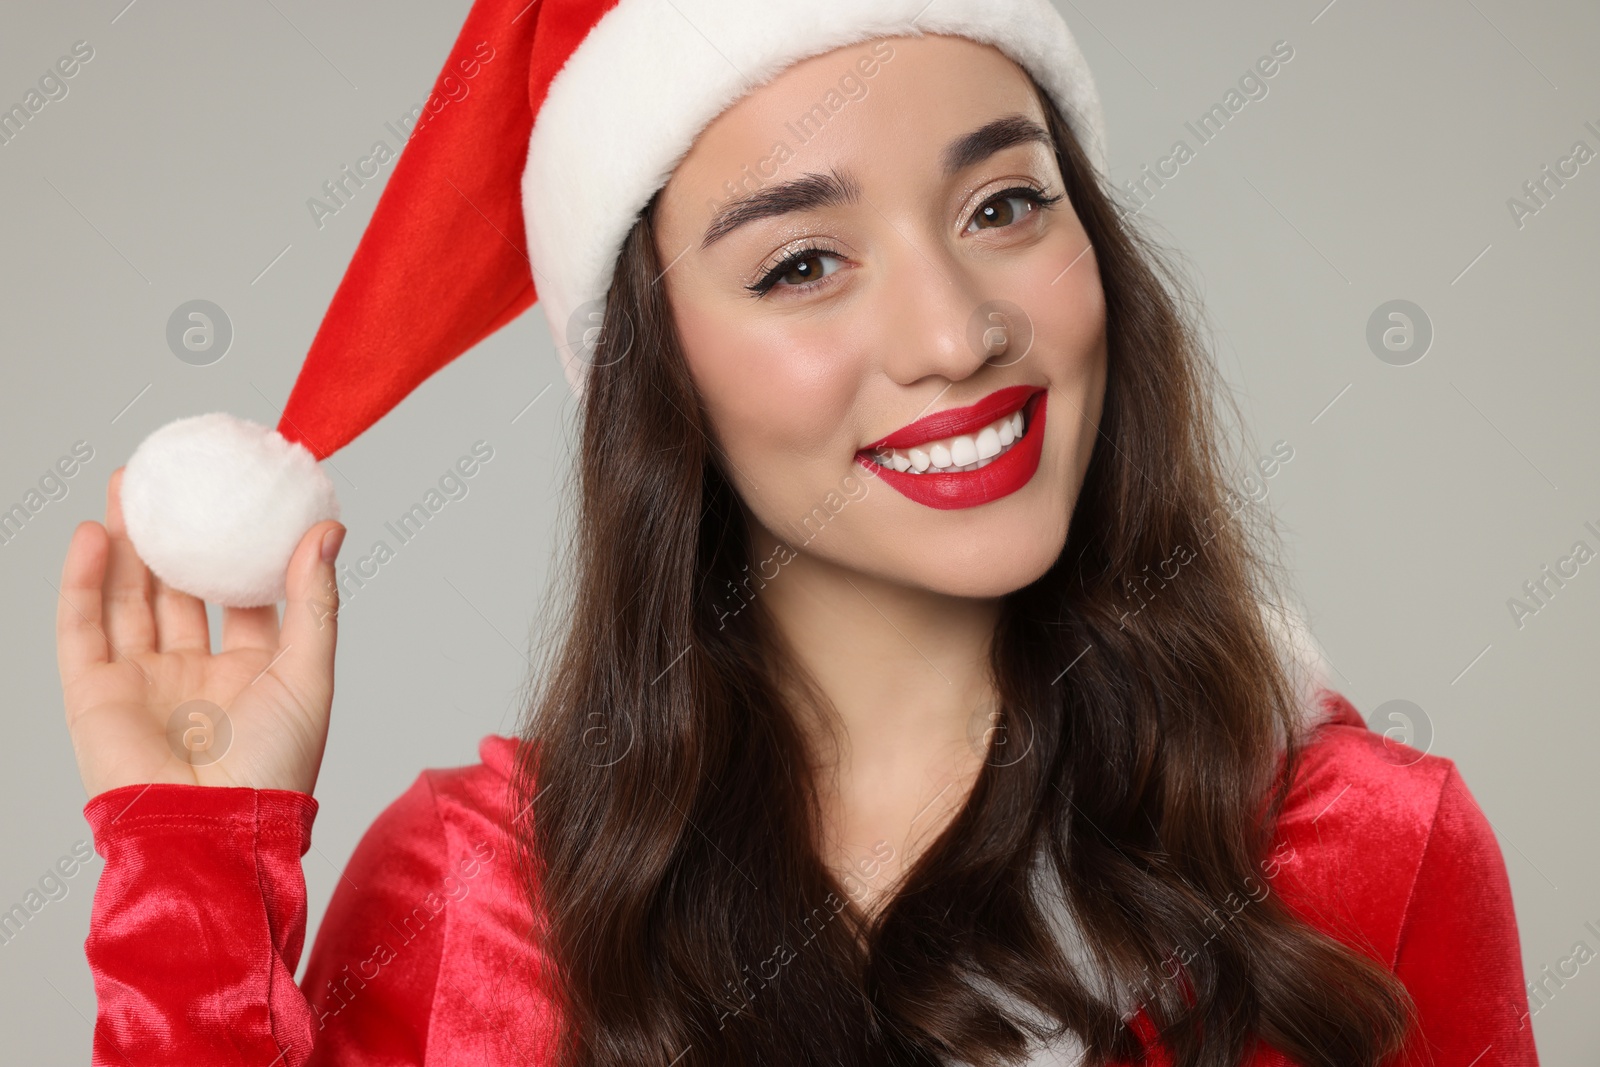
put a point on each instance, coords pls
(933, 316)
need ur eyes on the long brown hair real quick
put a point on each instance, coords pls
(668, 818)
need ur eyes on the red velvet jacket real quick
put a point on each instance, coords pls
(422, 959)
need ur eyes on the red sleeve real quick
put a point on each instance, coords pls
(197, 924)
(1459, 953)
(199, 920)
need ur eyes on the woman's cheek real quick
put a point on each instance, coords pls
(1087, 307)
(784, 394)
(1062, 295)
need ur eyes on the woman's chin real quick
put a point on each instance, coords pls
(989, 572)
(997, 579)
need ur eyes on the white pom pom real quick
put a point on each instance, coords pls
(215, 506)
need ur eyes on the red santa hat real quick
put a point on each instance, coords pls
(524, 189)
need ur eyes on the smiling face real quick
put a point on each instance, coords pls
(899, 286)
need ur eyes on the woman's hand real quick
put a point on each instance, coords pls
(146, 698)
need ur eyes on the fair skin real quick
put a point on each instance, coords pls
(132, 650)
(892, 607)
(865, 338)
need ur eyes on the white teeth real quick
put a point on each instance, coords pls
(988, 443)
(967, 452)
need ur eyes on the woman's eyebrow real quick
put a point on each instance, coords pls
(812, 191)
(990, 138)
(805, 193)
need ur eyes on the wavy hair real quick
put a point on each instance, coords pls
(669, 827)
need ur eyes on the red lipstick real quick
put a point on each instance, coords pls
(965, 489)
(997, 405)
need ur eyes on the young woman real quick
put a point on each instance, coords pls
(922, 697)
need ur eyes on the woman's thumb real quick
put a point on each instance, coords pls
(311, 611)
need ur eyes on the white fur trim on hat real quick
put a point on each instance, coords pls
(652, 74)
(215, 506)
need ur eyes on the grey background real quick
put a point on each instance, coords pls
(1378, 167)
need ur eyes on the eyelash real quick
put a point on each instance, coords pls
(769, 281)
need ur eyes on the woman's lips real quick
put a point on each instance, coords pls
(956, 421)
(1005, 474)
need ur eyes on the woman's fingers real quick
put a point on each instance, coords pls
(310, 612)
(180, 620)
(80, 642)
(250, 628)
(130, 624)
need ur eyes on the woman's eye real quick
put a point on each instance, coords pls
(796, 272)
(806, 268)
(999, 212)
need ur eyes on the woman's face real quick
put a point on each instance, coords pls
(893, 294)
